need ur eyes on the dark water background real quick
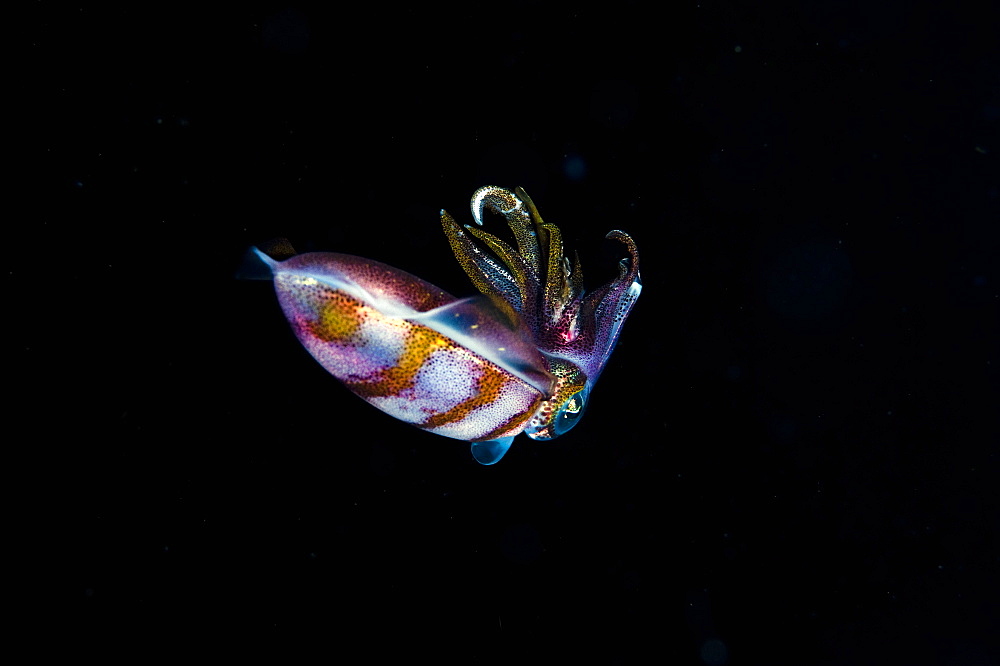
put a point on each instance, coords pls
(791, 457)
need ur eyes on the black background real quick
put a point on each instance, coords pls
(791, 457)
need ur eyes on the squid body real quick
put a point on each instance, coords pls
(522, 357)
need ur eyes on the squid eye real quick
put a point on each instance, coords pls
(570, 413)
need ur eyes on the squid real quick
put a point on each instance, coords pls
(521, 357)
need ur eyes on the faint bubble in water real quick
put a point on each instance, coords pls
(574, 167)
(714, 652)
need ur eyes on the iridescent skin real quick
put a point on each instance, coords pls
(522, 359)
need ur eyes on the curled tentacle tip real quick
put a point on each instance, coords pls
(620, 235)
(496, 198)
